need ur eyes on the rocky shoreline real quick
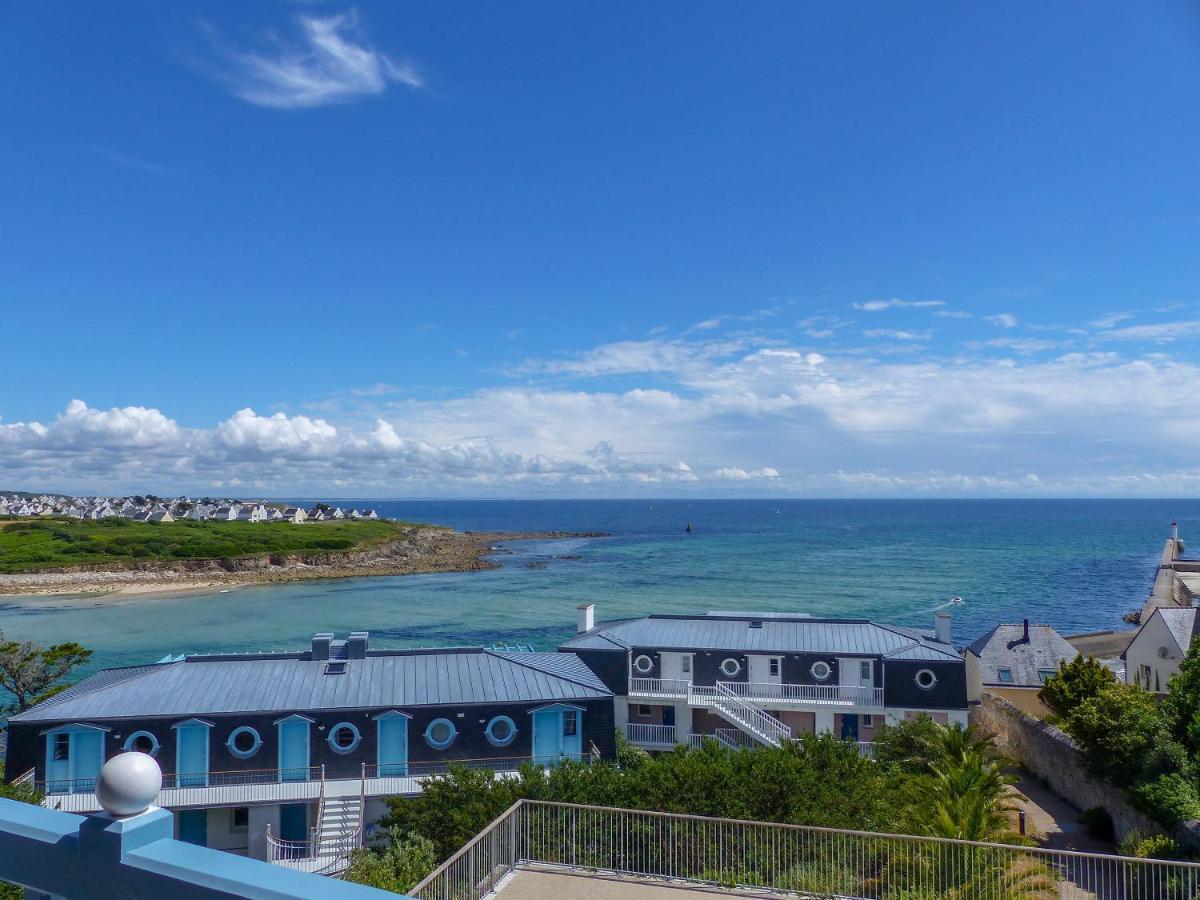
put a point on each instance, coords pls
(420, 551)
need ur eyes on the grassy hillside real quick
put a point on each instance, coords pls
(28, 545)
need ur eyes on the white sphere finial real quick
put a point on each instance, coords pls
(128, 784)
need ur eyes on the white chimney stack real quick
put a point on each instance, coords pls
(585, 617)
(941, 626)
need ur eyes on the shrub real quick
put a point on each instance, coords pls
(398, 866)
(1098, 822)
(1115, 731)
(1076, 681)
(1155, 846)
(1169, 799)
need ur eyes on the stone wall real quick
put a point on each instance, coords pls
(1050, 753)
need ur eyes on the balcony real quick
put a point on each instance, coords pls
(288, 785)
(653, 736)
(775, 695)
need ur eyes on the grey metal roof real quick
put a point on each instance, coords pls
(1181, 623)
(287, 683)
(1004, 648)
(777, 634)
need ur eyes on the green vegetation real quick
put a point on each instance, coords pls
(21, 794)
(31, 545)
(1126, 737)
(29, 673)
(397, 865)
(817, 780)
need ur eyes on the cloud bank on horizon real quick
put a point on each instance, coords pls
(715, 410)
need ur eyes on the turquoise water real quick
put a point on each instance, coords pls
(1078, 565)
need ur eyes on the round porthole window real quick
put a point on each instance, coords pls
(820, 670)
(644, 664)
(440, 734)
(731, 666)
(243, 742)
(925, 679)
(343, 738)
(142, 742)
(501, 731)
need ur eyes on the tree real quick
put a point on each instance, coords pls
(964, 792)
(1076, 681)
(1181, 708)
(1116, 732)
(398, 866)
(32, 673)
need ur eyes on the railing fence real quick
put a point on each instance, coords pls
(790, 859)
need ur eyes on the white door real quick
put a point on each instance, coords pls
(766, 670)
(854, 676)
(676, 666)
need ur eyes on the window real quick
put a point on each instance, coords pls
(773, 667)
(644, 711)
(440, 734)
(685, 664)
(1005, 676)
(62, 747)
(501, 731)
(344, 738)
(335, 668)
(142, 742)
(820, 670)
(239, 819)
(1045, 675)
(731, 666)
(867, 720)
(864, 670)
(1145, 678)
(570, 723)
(243, 742)
(925, 679)
(644, 664)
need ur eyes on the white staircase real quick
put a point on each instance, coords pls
(340, 825)
(748, 717)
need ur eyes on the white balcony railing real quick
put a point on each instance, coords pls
(660, 735)
(763, 692)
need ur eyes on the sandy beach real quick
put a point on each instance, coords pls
(424, 551)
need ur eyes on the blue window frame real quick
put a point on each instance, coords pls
(344, 738)
(440, 734)
(501, 731)
(244, 742)
(142, 742)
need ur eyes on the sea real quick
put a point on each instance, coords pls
(1078, 565)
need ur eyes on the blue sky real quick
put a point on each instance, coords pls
(608, 249)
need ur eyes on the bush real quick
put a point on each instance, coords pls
(398, 866)
(1115, 731)
(1156, 846)
(1098, 822)
(1076, 681)
(1169, 799)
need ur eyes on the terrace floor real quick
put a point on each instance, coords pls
(536, 884)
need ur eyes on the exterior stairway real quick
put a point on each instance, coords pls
(748, 717)
(337, 833)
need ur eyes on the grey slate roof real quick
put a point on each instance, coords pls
(778, 634)
(284, 683)
(1181, 623)
(1045, 650)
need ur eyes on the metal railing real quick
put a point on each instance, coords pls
(27, 780)
(647, 733)
(834, 694)
(796, 860)
(659, 687)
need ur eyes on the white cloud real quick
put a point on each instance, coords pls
(898, 334)
(1163, 332)
(880, 305)
(952, 314)
(1003, 320)
(331, 61)
(736, 473)
(1110, 320)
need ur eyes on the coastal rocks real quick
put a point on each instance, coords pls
(420, 551)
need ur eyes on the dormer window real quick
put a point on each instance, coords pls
(337, 667)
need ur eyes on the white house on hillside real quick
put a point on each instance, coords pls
(1160, 645)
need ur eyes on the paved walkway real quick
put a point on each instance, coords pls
(1053, 822)
(529, 884)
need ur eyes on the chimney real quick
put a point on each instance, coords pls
(1025, 638)
(941, 626)
(356, 647)
(320, 645)
(585, 617)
